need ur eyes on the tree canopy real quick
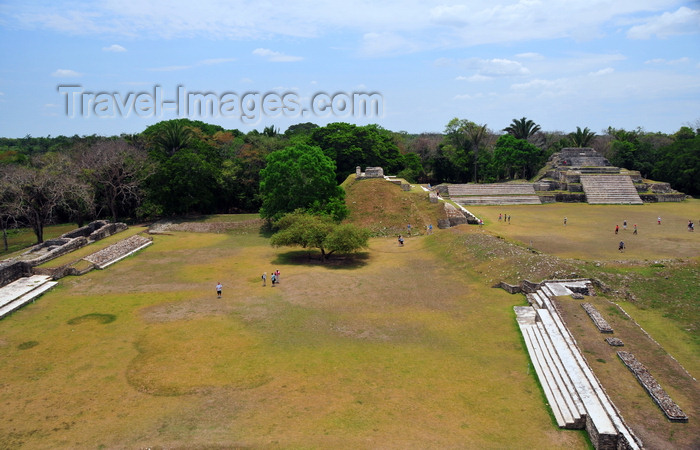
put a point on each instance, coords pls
(522, 128)
(300, 177)
(321, 232)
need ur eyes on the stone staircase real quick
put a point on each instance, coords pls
(22, 291)
(493, 194)
(610, 189)
(573, 392)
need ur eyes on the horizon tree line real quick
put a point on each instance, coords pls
(181, 167)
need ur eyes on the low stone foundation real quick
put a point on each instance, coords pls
(657, 393)
(602, 324)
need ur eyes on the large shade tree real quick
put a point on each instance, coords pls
(351, 146)
(321, 232)
(300, 177)
(514, 158)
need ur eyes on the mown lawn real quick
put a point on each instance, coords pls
(394, 348)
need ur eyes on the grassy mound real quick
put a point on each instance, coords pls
(386, 210)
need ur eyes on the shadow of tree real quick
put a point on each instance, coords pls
(313, 257)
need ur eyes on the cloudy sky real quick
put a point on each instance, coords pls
(117, 66)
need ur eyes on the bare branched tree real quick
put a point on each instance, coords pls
(116, 170)
(38, 191)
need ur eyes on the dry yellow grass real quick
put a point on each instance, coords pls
(392, 352)
(396, 348)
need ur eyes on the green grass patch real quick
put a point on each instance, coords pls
(21, 238)
(27, 345)
(93, 317)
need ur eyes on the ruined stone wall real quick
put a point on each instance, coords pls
(12, 270)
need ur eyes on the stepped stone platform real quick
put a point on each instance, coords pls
(573, 392)
(610, 189)
(493, 194)
(118, 251)
(22, 291)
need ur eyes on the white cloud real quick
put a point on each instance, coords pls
(116, 48)
(169, 68)
(213, 61)
(66, 73)
(496, 67)
(274, 56)
(403, 25)
(600, 72)
(204, 62)
(657, 61)
(530, 55)
(682, 21)
(387, 44)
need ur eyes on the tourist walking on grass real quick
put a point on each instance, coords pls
(264, 278)
(400, 241)
(617, 228)
(277, 276)
(621, 247)
(219, 287)
(658, 220)
(565, 219)
(624, 224)
(273, 279)
(635, 229)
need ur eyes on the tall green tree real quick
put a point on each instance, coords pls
(461, 146)
(300, 177)
(513, 158)
(679, 162)
(522, 128)
(351, 146)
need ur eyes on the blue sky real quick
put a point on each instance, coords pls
(563, 64)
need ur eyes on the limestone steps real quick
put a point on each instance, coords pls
(494, 194)
(575, 396)
(610, 189)
(22, 291)
(498, 200)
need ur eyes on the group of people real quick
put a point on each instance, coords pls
(409, 228)
(504, 217)
(274, 279)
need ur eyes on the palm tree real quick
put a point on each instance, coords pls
(582, 138)
(522, 128)
(173, 136)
